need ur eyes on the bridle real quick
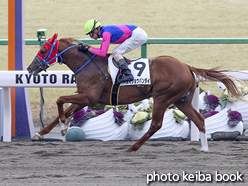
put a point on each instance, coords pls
(46, 61)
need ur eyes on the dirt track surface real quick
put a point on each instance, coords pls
(93, 163)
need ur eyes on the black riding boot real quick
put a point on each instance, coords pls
(126, 72)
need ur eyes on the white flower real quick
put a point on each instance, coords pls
(245, 90)
(139, 116)
(179, 113)
(139, 119)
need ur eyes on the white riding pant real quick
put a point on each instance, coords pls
(138, 38)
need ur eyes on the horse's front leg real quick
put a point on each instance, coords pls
(68, 112)
(79, 99)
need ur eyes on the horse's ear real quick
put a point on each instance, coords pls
(51, 40)
(56, 35)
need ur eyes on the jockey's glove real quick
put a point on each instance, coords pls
(83, 48)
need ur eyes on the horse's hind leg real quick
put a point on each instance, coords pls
(187, 108)
(68, 112)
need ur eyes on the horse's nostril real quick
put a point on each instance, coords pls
(28, 69)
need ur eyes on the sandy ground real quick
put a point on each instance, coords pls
(106, 164)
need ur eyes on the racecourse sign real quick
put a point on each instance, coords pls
(58, 78)
(43, 79)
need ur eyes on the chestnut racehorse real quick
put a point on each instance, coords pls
(172, 82)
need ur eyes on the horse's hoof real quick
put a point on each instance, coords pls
(36, 137)
(63, 132)
(128, 150)
(204, 149)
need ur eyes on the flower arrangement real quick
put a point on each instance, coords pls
(210, 113)
(234, 118)
(211, 101)
(99, 112)
(81, 116)
(178, 115)
(206, 113)
(119, 108)
(225, 97)
(139, 119)
(229, 98)
(119, 118)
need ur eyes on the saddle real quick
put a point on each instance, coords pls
(140, 70)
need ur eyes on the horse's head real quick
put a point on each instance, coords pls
(45, 57)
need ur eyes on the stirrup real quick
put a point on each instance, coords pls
(123, 78)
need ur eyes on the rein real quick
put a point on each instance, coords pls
(91, 58)
(96, 65)
(45, 61)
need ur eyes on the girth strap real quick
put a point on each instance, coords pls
(114, 96)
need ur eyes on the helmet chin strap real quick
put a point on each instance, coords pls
(98, 32)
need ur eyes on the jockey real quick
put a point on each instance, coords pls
(129, 37)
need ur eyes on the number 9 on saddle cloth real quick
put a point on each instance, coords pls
(140, 70)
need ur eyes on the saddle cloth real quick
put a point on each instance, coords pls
(139, 68)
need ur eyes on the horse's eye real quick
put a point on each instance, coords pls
(43, 51)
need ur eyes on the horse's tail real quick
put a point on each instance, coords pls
(219, 75)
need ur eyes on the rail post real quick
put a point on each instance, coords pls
(41, 34)
(144, 50)
(7, 114)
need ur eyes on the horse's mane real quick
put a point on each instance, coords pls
(71, 40)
